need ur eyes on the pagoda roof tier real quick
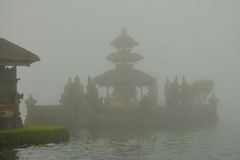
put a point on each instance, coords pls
(12, 54)
(127, 77)
(124, 41)
(124, 57)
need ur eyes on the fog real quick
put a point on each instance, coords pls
(197, 38)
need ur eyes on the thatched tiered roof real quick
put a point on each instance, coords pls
(127, 77)
(124, 57)
(124, 41)
(12, 54)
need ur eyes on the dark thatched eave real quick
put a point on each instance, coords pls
(12, 54)
(126, 77)
(124, 41)
(124, 57)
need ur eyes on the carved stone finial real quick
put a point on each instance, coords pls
(124, 31)
(30, 101)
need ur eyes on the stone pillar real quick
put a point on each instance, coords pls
(30, 104)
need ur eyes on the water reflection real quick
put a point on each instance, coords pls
(136, 144)
(198, 144)
(116, 143)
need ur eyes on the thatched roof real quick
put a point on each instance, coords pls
(124, 57)
(12, 54)
(124, 41)
(127, 77)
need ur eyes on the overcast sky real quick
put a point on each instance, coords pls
(197, 38)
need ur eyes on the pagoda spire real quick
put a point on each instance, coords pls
(124, 41)
(124, 55)
(124, 31)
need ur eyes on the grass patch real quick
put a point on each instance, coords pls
(32, 135)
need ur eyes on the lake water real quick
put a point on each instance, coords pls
(219, 143)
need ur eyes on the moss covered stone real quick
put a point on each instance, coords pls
(32, 135)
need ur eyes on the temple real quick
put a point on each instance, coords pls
(124, 79)
(11, 56)
(131, 99)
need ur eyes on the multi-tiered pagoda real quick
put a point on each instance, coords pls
(124, 79)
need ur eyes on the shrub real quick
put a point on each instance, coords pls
(32, 135)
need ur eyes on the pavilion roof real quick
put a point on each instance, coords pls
(124, 57)
(124, 41)
(128, 77)
(12, 54)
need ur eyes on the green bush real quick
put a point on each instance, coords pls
(32, 135)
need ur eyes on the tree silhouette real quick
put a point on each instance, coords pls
(153, 94)
(92, 96)
(73, 94)
(185, 96)
(201, 89)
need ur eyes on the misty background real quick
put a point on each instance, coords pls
(197, 38)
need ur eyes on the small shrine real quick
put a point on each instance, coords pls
(11, 56)
(124, 78)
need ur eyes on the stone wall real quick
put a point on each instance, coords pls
(56, 114)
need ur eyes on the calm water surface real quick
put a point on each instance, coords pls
(219, 143)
